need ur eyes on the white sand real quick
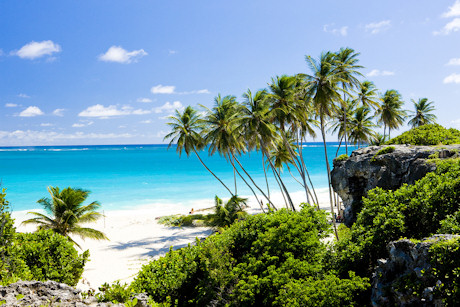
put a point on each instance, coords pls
(136, 238)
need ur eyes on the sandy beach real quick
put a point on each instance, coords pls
(136, 238)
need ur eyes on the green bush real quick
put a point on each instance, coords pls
(433, 134)
(255, 262)
(340, 158)
(385, 150)
(115, 293)
(50, 256)
(414, 211)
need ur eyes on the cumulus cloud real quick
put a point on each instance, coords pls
(35, 50)
(343, 31)
(46, 125)
(22, 95)
(11, 105)
(148, 121)
(169, 107)
(378, 73)
(119, 55)
(453, 78)
(376, 27)
(454, 61)
(144, 100)
(171, 89)
(453, 11)
(100, 111)
(163, 89)
(82, 124)
(31, 112)
(58, 112)
(453, 26)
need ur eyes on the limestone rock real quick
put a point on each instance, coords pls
(406, 260)
(364, 170)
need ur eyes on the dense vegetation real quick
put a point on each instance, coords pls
(267, 259)
(43, 255)
(433, 134)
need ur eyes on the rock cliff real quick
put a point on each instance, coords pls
(374, 166)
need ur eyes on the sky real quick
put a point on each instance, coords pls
(111, 71)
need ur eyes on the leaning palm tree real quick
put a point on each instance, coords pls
(186, 129)
(390, 112)
(66, 214)
(422, 114)
(323, 88)
(361, 127)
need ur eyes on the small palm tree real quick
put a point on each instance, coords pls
(422, 115)
(361, 126)
(226, 214)
(390, 112)
(67, 213)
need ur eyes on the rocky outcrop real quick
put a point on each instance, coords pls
(368, 168)
(51, 293)
(397, 278)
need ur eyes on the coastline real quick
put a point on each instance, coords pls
(136, 237)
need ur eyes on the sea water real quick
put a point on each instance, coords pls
(131, 176)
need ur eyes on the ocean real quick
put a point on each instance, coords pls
(124, 177)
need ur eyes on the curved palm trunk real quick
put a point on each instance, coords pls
(249, 176)
(281, 189)
(252, 190)
(323, 134)
(265, 174)
(309, 178)
(196, 153)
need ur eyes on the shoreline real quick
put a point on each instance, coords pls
(136, 238)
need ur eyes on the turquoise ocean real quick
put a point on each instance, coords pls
(130, 176)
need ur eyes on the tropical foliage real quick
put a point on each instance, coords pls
(43, 255)
(422, 114)
(67, 214)
(432, 134)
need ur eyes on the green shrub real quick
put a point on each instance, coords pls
(433, 134)
(50, 256)
(115, 293)
(385, 150)
(255, 262)
(414, 211)
(340, 158)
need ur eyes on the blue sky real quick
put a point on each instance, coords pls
(111, 71)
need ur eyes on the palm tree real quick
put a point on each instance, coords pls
(347, 66)
(422, 115)
(186, 129)
(378, 139)
(367, 95)
(361, 126)
(341, 121)
(226, 214)
(67, 213)
(390, 112)
(323, 87)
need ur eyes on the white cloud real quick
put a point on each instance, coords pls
(343, 31)
(454, 10)
(456, 123)
(119, 55)
(454, 61)
(46, 125)
(163, 89)
(171, 89)
(146, 121)
(35, 50)
(452, 26)
(11, 105)
(100, 111)
(82, 124)
(169, 107)
(23, 95)
(31, 112)
(378, 73)
(47, 137)
(144, 100)
(58, 112)
(453, 78)
(376, 27)
(172, 51)
(161, 134)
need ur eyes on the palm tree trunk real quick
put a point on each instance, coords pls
(323, 134)
(340, 143)
(249, 176)
(265, 174)
(309, 178)
(252, 190)
(234, 178)
(281, 189)
(196, 153)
